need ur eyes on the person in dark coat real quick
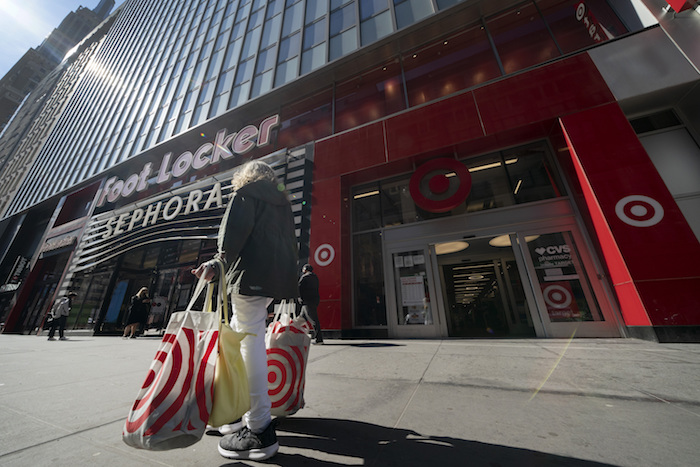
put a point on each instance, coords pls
(308, 294)
(138, 313)
(258, 246)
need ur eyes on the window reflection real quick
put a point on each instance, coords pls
(306, 120)
(521, 38)
(571, 21)
(368, 271)
(505, 178)
(454, 63)
(369, 97)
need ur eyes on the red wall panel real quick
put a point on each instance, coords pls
(433, 126)
(325, 247)
(548, 92)
(350, 151)
(654, 240)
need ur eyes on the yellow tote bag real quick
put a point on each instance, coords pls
(231, 393)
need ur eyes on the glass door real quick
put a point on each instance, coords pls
(482, 292)
(566, 293)
(413, 284)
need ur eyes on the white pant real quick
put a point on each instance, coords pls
(249, 315)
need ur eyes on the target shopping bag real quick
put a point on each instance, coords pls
(287, 341)
(178, 397)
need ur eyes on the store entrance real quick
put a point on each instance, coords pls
(481, 290)
(499, 279)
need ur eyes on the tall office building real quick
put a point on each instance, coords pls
(74, 27)
(456, 168)
(36, 64)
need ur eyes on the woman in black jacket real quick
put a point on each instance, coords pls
(258, 246)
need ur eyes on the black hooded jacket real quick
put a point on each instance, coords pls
(258, 243)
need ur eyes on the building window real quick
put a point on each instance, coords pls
(343, 32)
(521, 37)
(369, 97)
(376, 27)
(306, 120)
(368, 280)
(577, 24)
(288, 59)
(449, 65)
(411, 11)
(505, 178)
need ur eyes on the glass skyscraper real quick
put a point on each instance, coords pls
(450, 163)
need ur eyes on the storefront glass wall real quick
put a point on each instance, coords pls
(164, 268)
(505, 178)
(520, 37)
(368, 281)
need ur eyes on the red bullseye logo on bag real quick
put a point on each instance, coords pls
(285, 383)
(175, 375)
(440, 185)
(287, 342)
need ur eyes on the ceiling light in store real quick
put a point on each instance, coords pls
(517, 187)
(476, 277)
(504, 240)
(491, 166)
(364, 195)
(450, 247)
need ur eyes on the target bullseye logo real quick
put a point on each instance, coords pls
(324, 255)
(639, 211)
(557, 296)
(184, 362)
(285, 376)
(432, 189)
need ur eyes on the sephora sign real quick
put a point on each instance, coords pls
(171, 167)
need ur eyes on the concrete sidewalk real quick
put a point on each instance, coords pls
(381, 403)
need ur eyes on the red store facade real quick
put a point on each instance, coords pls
(600, 221)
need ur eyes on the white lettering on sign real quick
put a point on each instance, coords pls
(166, 210)
(553, 250)
(593, 27)
(224, 147)
(56, 244)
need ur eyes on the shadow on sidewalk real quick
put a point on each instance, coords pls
(333, 442)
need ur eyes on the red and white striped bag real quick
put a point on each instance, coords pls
(287, 340)
(173, 405)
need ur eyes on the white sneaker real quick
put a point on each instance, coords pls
(231, 428)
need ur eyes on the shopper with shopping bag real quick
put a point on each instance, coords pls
(258, 247)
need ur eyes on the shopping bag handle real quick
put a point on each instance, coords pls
(201, 285)
(292, 304)
(222, 299)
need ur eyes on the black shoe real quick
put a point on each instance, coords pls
(248, 445)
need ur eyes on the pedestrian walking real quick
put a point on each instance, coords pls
(59, 312)
(310, 298)
(138, 313)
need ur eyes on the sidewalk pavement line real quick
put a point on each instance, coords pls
(671, 403)
(415, 390)
(67, 435)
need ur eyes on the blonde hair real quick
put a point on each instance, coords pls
(142, 292)
(253, 171)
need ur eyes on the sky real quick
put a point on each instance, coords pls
(24, 24)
